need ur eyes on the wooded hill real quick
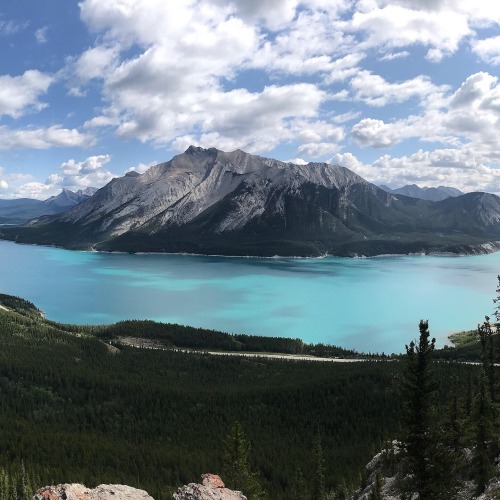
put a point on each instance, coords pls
(76, 412)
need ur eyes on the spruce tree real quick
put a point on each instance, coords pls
(299, 489)
(319, 489)
(483, 433)
(236, 471)
(485, 333)
(422, 439)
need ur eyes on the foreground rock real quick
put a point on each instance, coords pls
(81, 492)
(212, 488)
(387, 473)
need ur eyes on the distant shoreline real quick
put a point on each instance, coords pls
(487, 248)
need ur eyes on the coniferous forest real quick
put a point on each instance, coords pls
(74, 408)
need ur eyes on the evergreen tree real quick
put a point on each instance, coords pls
(485, 333)
(236, 471)
(421, 438)
(299, 489)
(23, 488)
(376, 493)
(318, 492)
(483, 429)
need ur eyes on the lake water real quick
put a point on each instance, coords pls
(368, 304)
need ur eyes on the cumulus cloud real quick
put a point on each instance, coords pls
(20, 94)
(471, 115)
(459, 168)
(376, 91)
(71, 174)
(172, 90)
(394, 25)
(488, 49)
(42, 138)
(76, 175)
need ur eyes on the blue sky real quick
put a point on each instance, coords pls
(403, 91)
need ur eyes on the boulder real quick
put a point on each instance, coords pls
(81, 492)
(211, 488)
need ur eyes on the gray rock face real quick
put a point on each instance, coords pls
(212, 202)
(212, 488)
(174, 193)
(80, 492)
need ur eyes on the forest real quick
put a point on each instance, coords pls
(74, 408)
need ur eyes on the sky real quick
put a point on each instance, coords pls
(401, 92)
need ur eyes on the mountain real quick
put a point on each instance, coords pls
(22, 210)
(425, 193)
(67, 199)
(212, 202)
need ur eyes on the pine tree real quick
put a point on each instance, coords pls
(24, 488)
(485, 333)
(483, 430)
(318, 492)
(236, 471)
(299, 489)
(422, 439)
(376, 492)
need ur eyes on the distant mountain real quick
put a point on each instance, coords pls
(67, 199)
(211, 202)
(426, 193)
(21, 210)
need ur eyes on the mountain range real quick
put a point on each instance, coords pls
(425, 193)
(211, 202)
(21, 210)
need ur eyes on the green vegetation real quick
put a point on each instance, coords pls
(441, 450)
(74, 411)
(464, 338)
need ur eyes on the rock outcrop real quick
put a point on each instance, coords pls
(212, 488)
(81, 492)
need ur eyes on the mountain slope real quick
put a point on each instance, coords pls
(21, 210)
(208, 201)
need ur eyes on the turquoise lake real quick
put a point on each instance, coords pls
(368, 304)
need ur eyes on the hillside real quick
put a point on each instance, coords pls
(77, 411)
(211, 202)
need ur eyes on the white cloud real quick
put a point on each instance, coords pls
(390, 56)
(488, 49)
(374, 90)
(142, 167)
(172, 90)
(41, 35)
(470, 116)
(76, 175)
(458, 168)
(8, 28)
(94, 63)
(396, 25)
(20, 94)
(71, 174)
(42, 138)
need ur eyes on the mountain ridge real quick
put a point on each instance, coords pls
(209, 201)
(21, 210)
(425, 193)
